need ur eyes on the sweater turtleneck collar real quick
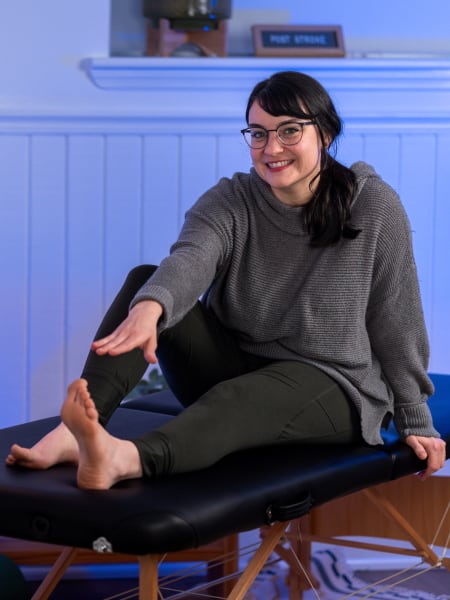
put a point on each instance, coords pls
(287, 218)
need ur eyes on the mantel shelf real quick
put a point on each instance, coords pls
(213, 74)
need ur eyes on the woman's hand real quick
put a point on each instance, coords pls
(430, 449)
(138, 330)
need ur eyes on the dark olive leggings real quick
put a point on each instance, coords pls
(233, 400)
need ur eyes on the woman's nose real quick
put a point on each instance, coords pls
(273, 143)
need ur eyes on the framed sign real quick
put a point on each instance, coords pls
(298, 40)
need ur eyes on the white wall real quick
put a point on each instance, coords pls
(81, 185)
(41, 47)
(382, 26)
(386, 26)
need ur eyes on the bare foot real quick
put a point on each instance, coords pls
(58, 446)
(103, 459)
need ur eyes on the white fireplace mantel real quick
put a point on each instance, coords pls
(211, 74)
(365, 88)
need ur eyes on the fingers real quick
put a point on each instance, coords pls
(118, 342)
(138, 330)
(434, 463)
(121, 342)
(125, 340)
(422, 475)
(149, 350)
(430, 449)
(419, 449)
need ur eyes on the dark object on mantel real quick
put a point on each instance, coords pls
(188, 15)
(186, 27)
(189, 50)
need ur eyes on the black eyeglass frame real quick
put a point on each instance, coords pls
(301, 123)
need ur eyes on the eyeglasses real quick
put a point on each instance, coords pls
(288, 133)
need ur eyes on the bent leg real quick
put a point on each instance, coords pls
(199, 352)
(282, 402)
(110, 378)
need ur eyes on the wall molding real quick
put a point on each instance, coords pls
(404, 90)
(213, 74)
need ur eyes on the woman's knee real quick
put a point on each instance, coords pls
(140, 274)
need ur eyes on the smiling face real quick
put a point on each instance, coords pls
(289, 170)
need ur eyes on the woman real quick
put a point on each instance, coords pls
(310, 327)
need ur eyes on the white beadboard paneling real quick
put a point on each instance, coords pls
(85, 246)
(198, 168)
(417, 191)
(440, 321)
(14, 222)
(47, 293)
(233, 154)
(161, 196)
(350, 147)
(383, 152)
(123, 201)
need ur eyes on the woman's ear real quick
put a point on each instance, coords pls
(324, 138)
(327, 142)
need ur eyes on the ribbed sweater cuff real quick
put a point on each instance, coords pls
(415, 420)
(159, 294)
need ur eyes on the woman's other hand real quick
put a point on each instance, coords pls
(430, 449)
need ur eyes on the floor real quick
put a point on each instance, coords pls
(269, 586)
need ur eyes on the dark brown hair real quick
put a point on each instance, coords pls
(327, 216)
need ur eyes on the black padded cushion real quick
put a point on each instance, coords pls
(241, 492)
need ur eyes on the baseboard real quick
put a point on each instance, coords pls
(111, 571)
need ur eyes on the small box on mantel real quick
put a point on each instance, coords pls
(298, 40)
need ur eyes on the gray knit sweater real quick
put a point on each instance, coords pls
(352, 309)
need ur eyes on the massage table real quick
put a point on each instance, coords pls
(268, 488)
